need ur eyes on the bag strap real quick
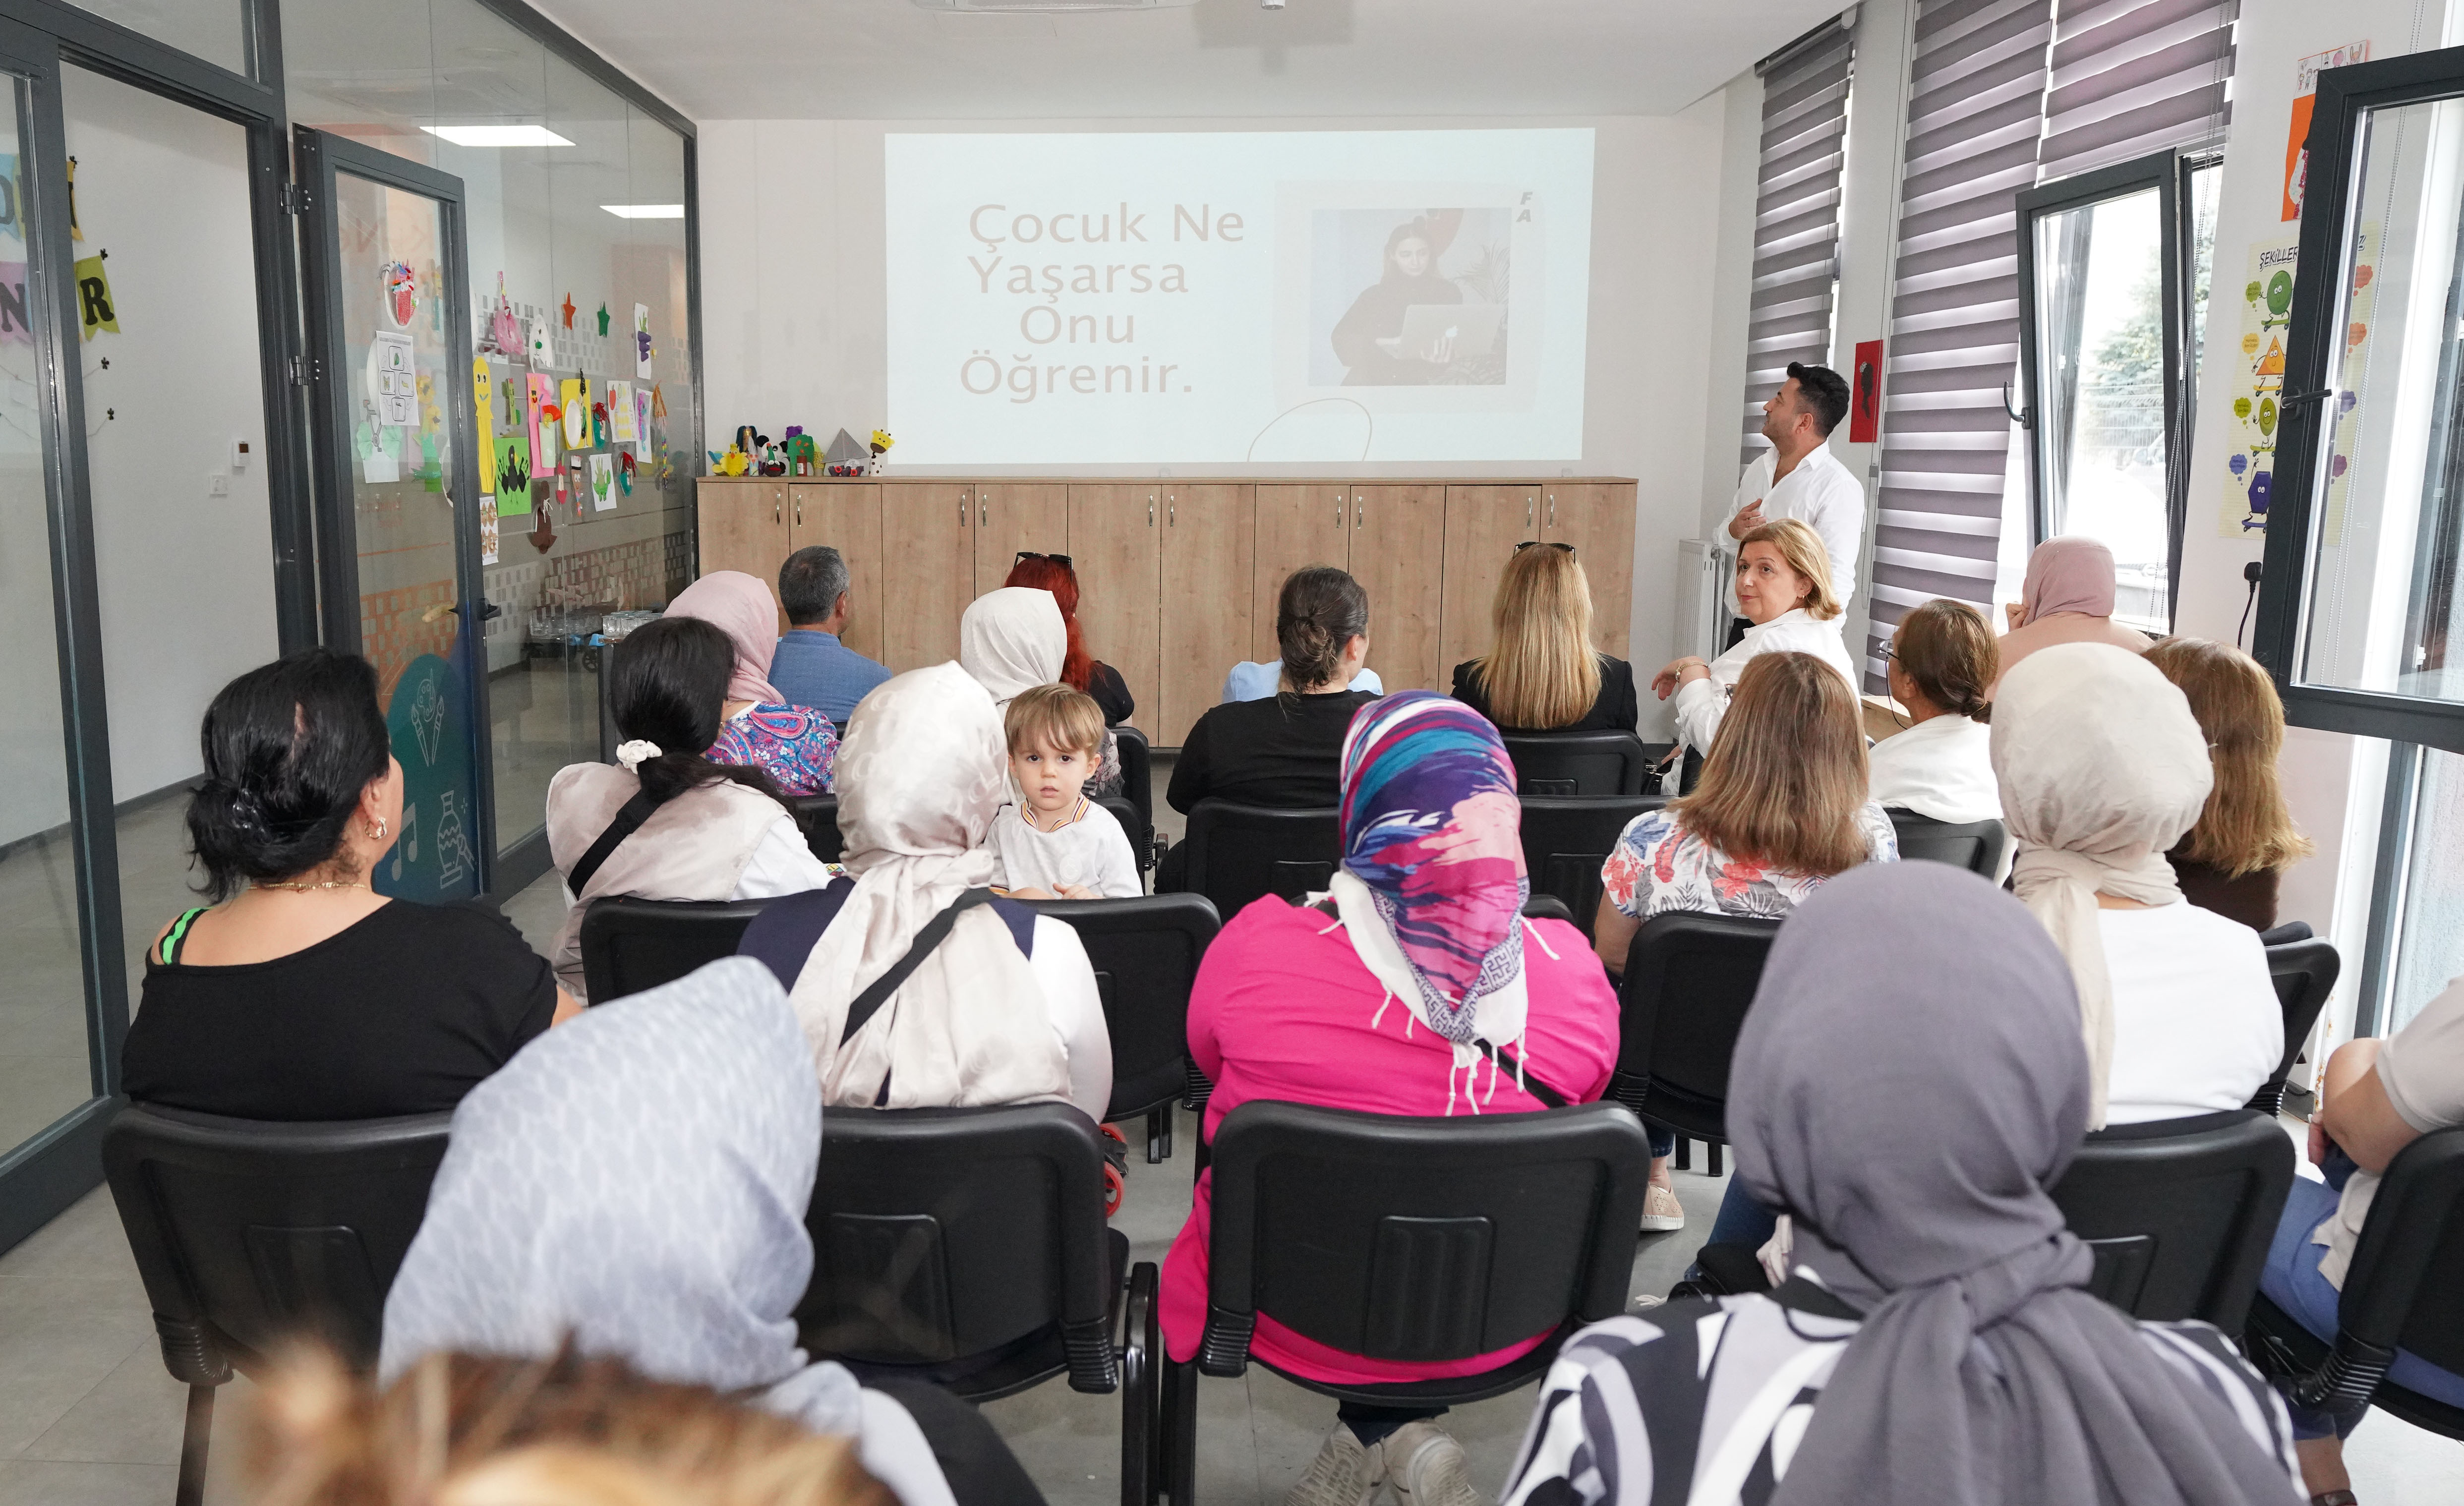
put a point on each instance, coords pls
(177, 937)
(936, 932)
(627, 821)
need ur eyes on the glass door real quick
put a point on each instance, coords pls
(399, 502)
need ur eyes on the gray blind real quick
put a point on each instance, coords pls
(1796, 219)
(1975, 103)
(2134, 77)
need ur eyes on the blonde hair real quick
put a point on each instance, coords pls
(1785, 774)
(466, 1430)
(1054, 717)
(2245, 826)
(1801, 547)
(1542, 672)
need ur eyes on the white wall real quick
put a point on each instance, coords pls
(795, 317)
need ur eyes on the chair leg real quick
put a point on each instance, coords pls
(1180, 1431)
(1713, 1148)
(1140, 1353)
(1159, 1135)
(1684, 1158)
(195, 1439)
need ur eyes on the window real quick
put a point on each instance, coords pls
(1797, 216)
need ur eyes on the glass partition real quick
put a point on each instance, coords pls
(213, 30)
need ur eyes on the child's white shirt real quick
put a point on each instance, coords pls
(1092, 851)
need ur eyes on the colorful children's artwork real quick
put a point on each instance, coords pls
(380, 448)
(624, 473)
(482, 385)
(623, 425)
(573, 398)
(642, 340)
(543, 403)
(2257, 385)
(603, 482)
(642, 422)
(96, 310)
(393, 385)
(603, 321)
(488, 536)
(599, 425)
(502, 334)
(401, 287)
(513, 458)
(542, 342)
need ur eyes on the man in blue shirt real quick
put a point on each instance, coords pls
(813, 669)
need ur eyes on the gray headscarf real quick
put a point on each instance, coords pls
(636, 1180)
(1909, 1082)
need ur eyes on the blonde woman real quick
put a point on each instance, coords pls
(1783, 589)
(1541, 673)
(2232, 859)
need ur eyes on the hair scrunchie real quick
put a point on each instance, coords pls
(631, 754)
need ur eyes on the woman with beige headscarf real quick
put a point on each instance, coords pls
(987, 1001)
(2067, 599)
(2102, 769)
(1016, 639)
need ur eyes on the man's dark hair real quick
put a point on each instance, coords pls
(1825, 394)
(811, 582)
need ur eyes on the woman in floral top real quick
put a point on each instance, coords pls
(1781, 808)
(796, 746)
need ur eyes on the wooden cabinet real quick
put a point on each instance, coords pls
(743, 527)
(1011, 515)
(1112, 541)
(928, 536)
(1398, 550)
(1297, 525)
(1209, 543)
(847, 516)
(1483, 526)
(1597, 518)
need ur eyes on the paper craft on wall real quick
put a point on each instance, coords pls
(642, 340)
(2256, 381)
(599, 425)
(96, 310)
(488, 537)
(603, 321)
(542, 435)
(542, 342)
(379, 451)
(481, 385)
(624, 423)
(624, 473)
(513, 467)
(642, 422)
(569, 310)
(603, 482)
(401, 292)
(575, 400)
(393, 385)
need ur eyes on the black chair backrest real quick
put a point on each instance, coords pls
(1240, 852)
(247, 1233)
(818, 816)
(1565, 841)
(1137, 772)
(2405, 1289)
(945, 1232)
(1563, 765)
(2180, 1212)
(1975, 845)
(1688, 980)
(1134, 828)
(1546, 906)
(1145, 951)
(629, 945)
(2304, 974)
(1420, 1239)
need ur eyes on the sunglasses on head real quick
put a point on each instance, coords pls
(1063, 561)
(1535, 543)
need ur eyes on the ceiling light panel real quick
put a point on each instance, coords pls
(645, 212)
(497, 135)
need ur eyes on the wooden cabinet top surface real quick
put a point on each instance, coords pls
(1195, 481)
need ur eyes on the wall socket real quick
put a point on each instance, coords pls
(217, 485)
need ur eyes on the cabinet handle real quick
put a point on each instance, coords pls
(962, 509)
(1530, 514)
(1339, 510)
(1150, 510)
(800, 511)
(1171, 511)
(778, 508)
(983, 514)
(1553, 510)
(1359, 510)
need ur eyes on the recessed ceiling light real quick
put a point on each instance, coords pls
(645, 212)
(497, 135)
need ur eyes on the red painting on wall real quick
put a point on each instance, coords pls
(1865, 394)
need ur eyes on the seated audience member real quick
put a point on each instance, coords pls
(1541, 673)
(1942, 767)
(794, 745)
(1252, 680)
(2377, 1097)
(1050, 841)
(638, 1193)
(2230, 862)
(1055, 574)
(1000, 1006)
(1385, 996)
(684, 826)
(2102, 769)
(811, 667)
(1933, 1339)
(302, 994)
(1781, 808)
(1783, 589)
(1013, 639)
(2067, 599)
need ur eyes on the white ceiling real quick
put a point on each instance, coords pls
(855, 59)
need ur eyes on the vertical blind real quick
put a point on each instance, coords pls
(1796, 218)
(2134, 77)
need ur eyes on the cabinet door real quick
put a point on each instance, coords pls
(1399, 551)
(847, 516)
(1483, 526)
(1209, 546)
(1298, 525)
(1113, 546)
(1011, 515)
(927, 570)
(1597, 518)
(743, 527)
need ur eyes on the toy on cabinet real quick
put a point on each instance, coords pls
(773, 463)
(881, 442)
(800, 452)
(732, 463)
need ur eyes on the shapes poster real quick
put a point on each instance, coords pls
(393, 385)
(2255, 378)
(623, 419)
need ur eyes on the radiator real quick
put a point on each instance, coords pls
(1701, 597)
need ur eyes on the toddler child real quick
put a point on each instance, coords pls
(1051, 842)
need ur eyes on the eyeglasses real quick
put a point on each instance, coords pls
(1063, 561)
(1535, 543)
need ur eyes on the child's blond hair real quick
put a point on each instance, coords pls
(1057, 716)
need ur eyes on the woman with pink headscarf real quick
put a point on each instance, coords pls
(794, 745)
(2068, 598)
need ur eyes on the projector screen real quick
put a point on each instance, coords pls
(1324, 296)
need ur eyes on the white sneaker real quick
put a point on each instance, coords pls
(1346, 1473)
(1427, 1468)
(1661, 1213)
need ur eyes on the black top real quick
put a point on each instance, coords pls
(1613, 710)
(1285, 752)
(2250, 899)
(401, 1013)
(1111, 691)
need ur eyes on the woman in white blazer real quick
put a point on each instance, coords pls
(1784, 588)
(1943, 664)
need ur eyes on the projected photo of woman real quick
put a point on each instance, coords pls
(1435, 310)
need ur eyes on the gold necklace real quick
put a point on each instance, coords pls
(303, 888)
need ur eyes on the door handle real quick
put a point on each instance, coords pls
(488, 611)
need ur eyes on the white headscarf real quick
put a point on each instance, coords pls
(1012, 639)
(920, 775)
(2102, 769)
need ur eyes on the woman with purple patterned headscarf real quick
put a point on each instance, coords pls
(1413, 986)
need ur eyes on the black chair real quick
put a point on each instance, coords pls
(1141, 836)
(1975, 845)
(1688, 980)
(817, 817)
(1546, 906)
(1137, 775)
(2403, 1290)
(1145, 951)
(1562, 765)
(1240, 852)
(246, 1234)
(966, 1248)
(1411, 1240)
(1565, 841)
(2304, 974)
(629, 945)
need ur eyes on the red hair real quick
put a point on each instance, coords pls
(1041, 574)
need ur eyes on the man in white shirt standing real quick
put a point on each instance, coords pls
(1800, 478)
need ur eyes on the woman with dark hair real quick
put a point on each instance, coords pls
(666, 822)
(1079, 671)
(302, 994)
(1408, 275)
(1942, 767)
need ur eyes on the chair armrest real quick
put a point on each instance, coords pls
(1224, 1351)
(189, 1352)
